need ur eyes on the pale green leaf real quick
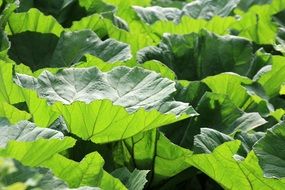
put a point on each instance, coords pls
(33, 21)
(88, 172)
(246, 173)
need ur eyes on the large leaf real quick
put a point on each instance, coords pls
(248, 139)
(132, 88)
(90, 121)
(100, 25)
(38, 108)
(108, 11)
(61, 10)
(256, 24)
(217, 25)
(33, 20)
(27, 48)
(272, 78)
(12, 114)
(269, 151)
(36, 152)
(31, 177)
(39, 147)
(208, 140)
(195, 56)
(135, 180)
(153, 65)
(88, 172)
(104, 28)
(152, 14)
(96, 6)
(87, 42)
(241, 91)
(25, 131)
(32, 145)
(152, 150)
(246, 4)
(224, 161)
(9, 92)
(209, 8)
(4, 46)
(138, 100)
(59, 53)
(218, 112)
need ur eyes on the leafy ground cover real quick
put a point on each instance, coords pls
(153, 94)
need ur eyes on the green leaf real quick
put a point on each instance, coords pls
(269, 151)
(217, 25)
(36, 152)
(153, 65)
(101, 26)
(42, 113)
(208, 9)
(170, 3)
(90, 122)
(25, 131)
(208, 140)
(134, 180)
(87, 172)
(12, 114)
(229, 84)
(152, 14)
(9, 92)
(38, 107)
(195, 56)
(272, 79)
(240, 90)
(32, 177)
(246, 4)
(158, 67)
(119, 3)
(124, 86)
(96, 6)
(191, 92)
(106, 10)
(60, 10)
(218, 112)
(87, 42)
(248, 139)
(33, 21)
(224, 161)
(4, 46)
(105, 28)
(126, 106)
(256, 24)
(9, 8)
(152, 151)
(66, 50)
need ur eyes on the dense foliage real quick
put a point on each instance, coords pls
(142, 94)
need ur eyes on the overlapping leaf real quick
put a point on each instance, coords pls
(88, 172)
(223, 161)
(152, 150)
(195, 56)
(137, 100)
(22, 177)
(58, 52)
